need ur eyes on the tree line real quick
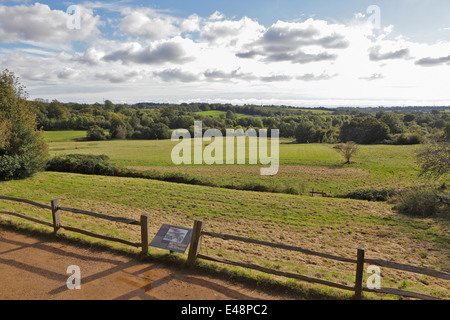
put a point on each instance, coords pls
(157, 121)
(24, 152)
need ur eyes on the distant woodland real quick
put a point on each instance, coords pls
(401, 125)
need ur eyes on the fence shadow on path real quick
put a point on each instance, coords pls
(132, 271)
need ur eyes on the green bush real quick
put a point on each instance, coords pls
(100, 165)
(9, 165)
(80, 163)
(23, 151)
(407, 139)
(95, 133)
(371, 194)
(418, 201)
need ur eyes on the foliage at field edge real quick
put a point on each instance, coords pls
(23, 151)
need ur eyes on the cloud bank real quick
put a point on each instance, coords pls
(153, 54)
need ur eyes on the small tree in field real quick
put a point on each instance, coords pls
(348, 150)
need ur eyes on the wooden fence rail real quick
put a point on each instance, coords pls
(56, 210)
(360, 260)
(195, 245)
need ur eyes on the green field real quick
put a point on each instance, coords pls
(302, 167)
(325, 224)
(218, 114)
(329, 225)
(64, 136)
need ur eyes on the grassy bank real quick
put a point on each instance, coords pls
(335, 226)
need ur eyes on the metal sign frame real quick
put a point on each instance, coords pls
(172, 238)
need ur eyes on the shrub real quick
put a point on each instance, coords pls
(9, 166)
(95, 133)
(371, 194)
(407, 139)
(418, 201)
(80, 163)
(23, 151)
(100, 165)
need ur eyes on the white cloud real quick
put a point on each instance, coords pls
(117, 76)
(178, 75)
(40, 24)
(431, 62)
(149, 24)
(376, 55)
(232, 33)
(217, 58)
(157, 53)
(67, 73)
(313, 77)
(301, 43)
(375, 76)
(217, 16)
(91, 56)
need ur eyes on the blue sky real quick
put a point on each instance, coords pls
(302, 53)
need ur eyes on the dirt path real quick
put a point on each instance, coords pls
(36, 268)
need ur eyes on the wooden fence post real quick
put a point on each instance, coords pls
(359, 273)
(195, 242)
(145, 233)
(56, 215)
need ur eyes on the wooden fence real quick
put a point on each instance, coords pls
(318, 193)
(195, 244)
(359, 261)
(56, 211)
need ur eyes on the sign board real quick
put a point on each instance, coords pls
(172, 238)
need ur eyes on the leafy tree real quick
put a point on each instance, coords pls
(230, 115)
(350, 131)
(305, 132)
(364, 131)
(23, 151)
(393, 122)
(55, 110)
(447, 131)
(109, 106)
(118, 128)
(96, 133)
(374, 131)
(160, 131)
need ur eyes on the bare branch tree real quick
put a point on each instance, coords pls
(348, 150)
(434, 158)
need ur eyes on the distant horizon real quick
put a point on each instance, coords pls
(252, 105)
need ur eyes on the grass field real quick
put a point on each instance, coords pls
(302, 167)
(218, 114)
(335, 226)
(329, 225)
(64, 136)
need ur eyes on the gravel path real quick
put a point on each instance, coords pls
(34, 268)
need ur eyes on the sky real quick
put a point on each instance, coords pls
(278, 52)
